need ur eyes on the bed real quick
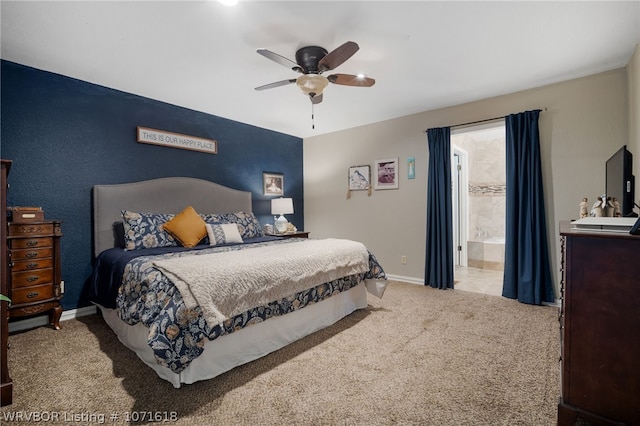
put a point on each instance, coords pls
(193, 306)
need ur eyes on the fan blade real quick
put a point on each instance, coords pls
(316, 99)
(279, 59)
(276, 84)
(351, 80)
(338, 56)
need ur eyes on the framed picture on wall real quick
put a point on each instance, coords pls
(359, 178)
(273, 183)
(386, 174)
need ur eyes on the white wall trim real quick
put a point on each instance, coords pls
(410, 280)
(44, 319)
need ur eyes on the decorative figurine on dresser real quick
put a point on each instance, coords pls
(34, 264)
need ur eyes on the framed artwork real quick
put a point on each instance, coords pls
(411, 168)
(386, 172)
(359, 178)
(273, 184)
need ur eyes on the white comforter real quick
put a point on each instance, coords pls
(229, 283)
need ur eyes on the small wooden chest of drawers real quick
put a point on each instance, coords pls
(34, 264)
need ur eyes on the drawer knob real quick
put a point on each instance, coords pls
(32, 278)
(32, 265)
(32, 243)
(32, 294)
(32, 254)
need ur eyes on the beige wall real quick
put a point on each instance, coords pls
(585, 121)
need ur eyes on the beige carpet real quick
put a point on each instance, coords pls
(419, 356)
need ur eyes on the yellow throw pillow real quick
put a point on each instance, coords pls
(187, 227)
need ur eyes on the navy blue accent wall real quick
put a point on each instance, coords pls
(65, 135)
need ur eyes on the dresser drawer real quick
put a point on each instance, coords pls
(25, 243)
(26, 229)
(21, 311)
(30, 265)
(31, 294)
(28, 254)
(30, 278)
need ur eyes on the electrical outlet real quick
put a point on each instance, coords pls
(61, 286)
(403, 260)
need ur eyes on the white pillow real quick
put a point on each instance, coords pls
(223, 233)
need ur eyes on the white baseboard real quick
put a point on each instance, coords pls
(44, 319)
(410, 280)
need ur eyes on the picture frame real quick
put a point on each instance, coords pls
(411, 168)
(273, 184)
(359, 178)
(386, 174)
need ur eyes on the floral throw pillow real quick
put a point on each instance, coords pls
(145, 230)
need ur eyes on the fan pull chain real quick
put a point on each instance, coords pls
(313, 124)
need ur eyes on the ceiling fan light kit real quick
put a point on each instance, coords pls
(312, 84)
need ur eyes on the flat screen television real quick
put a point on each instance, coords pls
(620, 180)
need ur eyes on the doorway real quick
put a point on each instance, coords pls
(478, 178)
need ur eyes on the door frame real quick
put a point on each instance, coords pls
(460, 199)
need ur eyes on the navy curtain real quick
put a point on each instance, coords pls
(439, 259)
(527, 273)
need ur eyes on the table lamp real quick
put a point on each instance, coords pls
(281, 206)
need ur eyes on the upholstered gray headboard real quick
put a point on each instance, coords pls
(162, 195)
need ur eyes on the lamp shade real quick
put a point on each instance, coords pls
(282, 206)
(312, 83)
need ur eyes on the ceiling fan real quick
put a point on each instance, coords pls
(311, 62)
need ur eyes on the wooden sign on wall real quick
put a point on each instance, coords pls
(176, 140)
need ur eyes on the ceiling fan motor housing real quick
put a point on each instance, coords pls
(308, 58)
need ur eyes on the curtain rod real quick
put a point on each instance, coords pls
(485, 120)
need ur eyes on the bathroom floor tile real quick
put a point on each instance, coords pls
(478, 280)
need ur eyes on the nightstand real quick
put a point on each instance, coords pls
(34, 269)
(297, 234)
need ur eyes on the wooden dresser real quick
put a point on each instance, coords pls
(6, 385)
(600, 328)
(34, 260)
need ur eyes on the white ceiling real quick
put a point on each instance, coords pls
(423, 54)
